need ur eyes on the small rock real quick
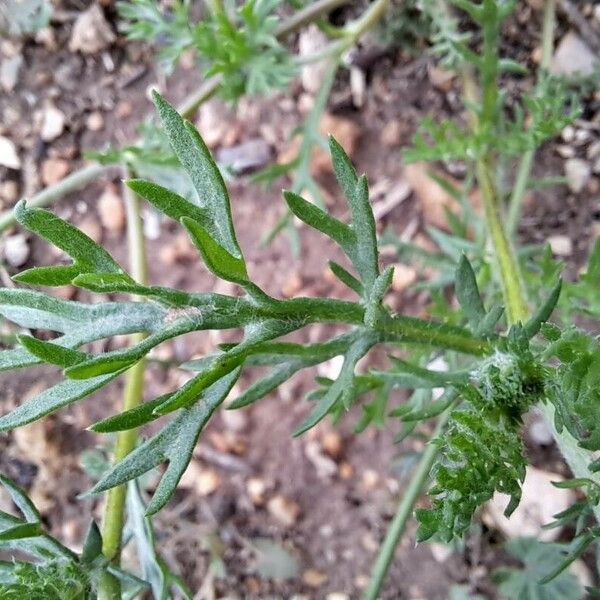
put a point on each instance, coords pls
(596, 166)
(391, 134)
(9, 72)
(404, 276)
(332, 444)
(9, 191)
(325, 467)
(91, 32)
(16, 250)
(337, 596)
(53, 123)
(565, 151)
(207, 482)
(593, 151)
(345, 131)
(313, 578)
(441, 552)
(286, 511)
(256, 488)
(310, 42)
(346, 471)
(111, 211)
(358, 86)
(214, 120)
(440, 78)
(568, 134)
(124, 109)
(246, 157)
(204, 481)
(54, 169)
(573, 57)
(151, 224)
(370, 479)
(8, 154)
(292, 285)
(577, 172)
(561, 245)
(95, 121)
(540, 501)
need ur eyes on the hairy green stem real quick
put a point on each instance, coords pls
(114, 511)
(522, 179)
(403, 513)
(515, 296)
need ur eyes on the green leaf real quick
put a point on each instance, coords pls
(346, 278)
(174, 443)
(217, 259)
(154, 569)
(52, 399)
(51, 353)
(537, 558)
(267, 384)
(208, 182)
(373, 303)
(21, 500)
(86, 322)
(318, 219)
(19, 532)
(363, 222)
(467, 292)
(166, 201)
(92, 546)
(532, 327)
(87, 255)
(342, 387)
(130, 419)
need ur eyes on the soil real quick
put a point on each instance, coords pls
(339, 513)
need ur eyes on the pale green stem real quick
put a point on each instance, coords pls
(522, 179)
(47, 196)
(114, 510)
(403, 513)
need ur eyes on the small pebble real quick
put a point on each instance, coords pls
(286, 511)
(16, 250)
(111, 211)
(53, 123)
(577, 172)
(561, 245)
(54, 169)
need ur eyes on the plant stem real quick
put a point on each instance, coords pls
(69, 184)
(511, 279)
(522, 179)
(114, 512)
(404, 512)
